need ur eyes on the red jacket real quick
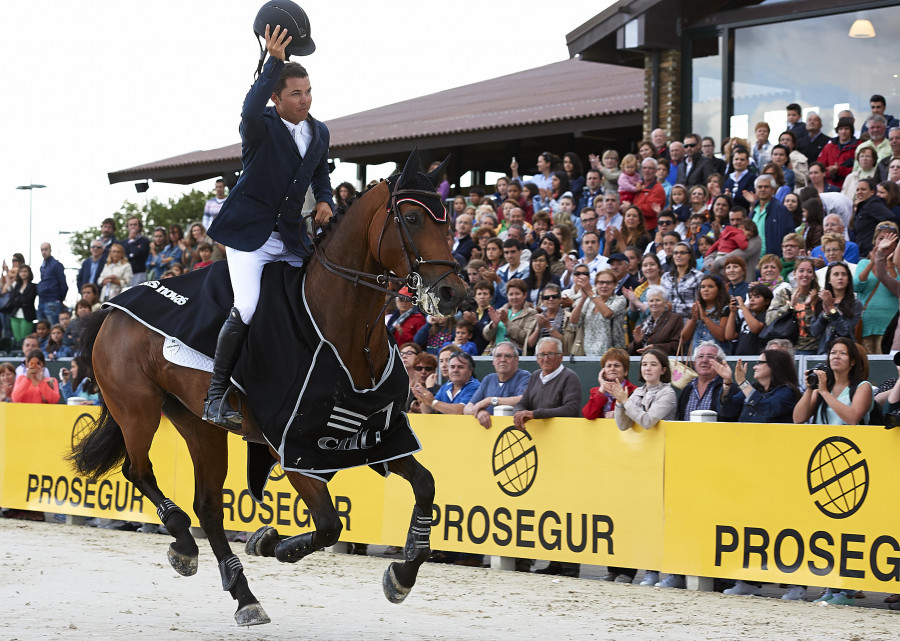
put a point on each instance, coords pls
(405, 332)
(732, 238)
(840, 155)
(645, 199)
(597, 400)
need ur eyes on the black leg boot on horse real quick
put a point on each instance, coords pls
(216, 408)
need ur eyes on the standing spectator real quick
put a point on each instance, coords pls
(603, 315)
(154, 266)
(90, 295)
(552, 391)
(463, 244)
(813, 226)
(681, 282)
(35, 386)
(574, 169)
(893, 138)
(795, 122)
(877, 104)
(53, 288)
(841, 310)
(456, 392)
(592, 188)
(735, 269)
(877, 141)
(814, 141)
(406, 320)
(107, 234)
(651, 199)
(797, 161)
(92, 265)
(747, 319)
(550, 320)
(20, 307)
(762, 148)
(515, 320)
(137, 248)
(870, 210)
(708, 149)
(649, 404)
(772, 220)
(214, 205)
(832, 224)
(514, 269)
(879, 303)
(116, 274)
(695, 169)
(838, 154)
(740, 180)
(802, 300)
(503, 387)
(709, 314)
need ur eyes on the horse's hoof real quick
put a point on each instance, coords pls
(252, 614)
(183, 564)
(262, 542)
(394, 592)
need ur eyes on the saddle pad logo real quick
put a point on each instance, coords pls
(162, 290)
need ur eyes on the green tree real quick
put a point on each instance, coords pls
(184, 210)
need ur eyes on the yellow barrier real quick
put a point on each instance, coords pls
(801, 504)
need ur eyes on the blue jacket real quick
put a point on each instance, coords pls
(270, 192)
(779, 223)
(736, 189)
(774, 406)
(53, 287)
(84, 274)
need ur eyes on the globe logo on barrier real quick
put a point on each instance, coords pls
(514, 461)
(838, 477)
(81, 428)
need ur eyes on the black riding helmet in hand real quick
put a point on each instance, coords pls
(291, 18)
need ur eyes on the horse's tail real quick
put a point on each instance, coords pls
(101, 450)
(104, 447)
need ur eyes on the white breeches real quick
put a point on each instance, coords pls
(246, 272)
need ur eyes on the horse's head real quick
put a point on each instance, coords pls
(417, 249)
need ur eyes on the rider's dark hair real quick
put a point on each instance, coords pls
(290, 70)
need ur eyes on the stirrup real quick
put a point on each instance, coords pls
(232, 423)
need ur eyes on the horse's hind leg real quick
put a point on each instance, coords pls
(208, 447)
(399, 578)
(142, 411)
(266, 542)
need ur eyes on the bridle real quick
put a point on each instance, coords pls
(424, 297)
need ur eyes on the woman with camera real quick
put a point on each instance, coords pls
(837, 394)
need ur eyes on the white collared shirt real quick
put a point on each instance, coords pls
(549, 377)
(301, 134)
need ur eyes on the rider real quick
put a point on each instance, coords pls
(284, 152)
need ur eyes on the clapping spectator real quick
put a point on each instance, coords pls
(453, 395)
(661, 329)
(746, 319)
(602, 313)
(879, 303)
(515, 320)
(614, 366)
(708, 314)
(681, 283)
(154, 266)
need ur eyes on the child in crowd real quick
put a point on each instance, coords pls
(629, 180)
(732, 238)
(463, 338)
(42, 329)
(54, 348)
(204, 250)
(437, 332)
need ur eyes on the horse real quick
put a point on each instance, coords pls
(398, 226)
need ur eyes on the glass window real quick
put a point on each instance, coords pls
(706, 89)
(815, 63)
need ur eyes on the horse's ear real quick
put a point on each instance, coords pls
(411, 168)
(435, 175)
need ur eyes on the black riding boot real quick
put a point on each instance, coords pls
(216, 408)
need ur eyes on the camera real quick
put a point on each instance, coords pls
(812, 380)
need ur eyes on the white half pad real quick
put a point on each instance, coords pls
(180, 354)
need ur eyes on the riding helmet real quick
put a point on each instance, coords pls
(291, 17)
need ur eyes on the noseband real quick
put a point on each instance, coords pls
(424, 297)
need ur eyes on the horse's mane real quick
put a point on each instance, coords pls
(339, 215)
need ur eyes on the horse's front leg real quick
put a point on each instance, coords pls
(400, 578)
(266, 542)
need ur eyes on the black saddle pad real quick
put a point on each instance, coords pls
(299, 389)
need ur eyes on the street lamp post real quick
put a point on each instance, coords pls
(30, 187)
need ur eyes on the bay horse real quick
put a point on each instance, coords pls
(399, 226)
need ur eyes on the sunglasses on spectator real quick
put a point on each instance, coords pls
(424, 368)
(690, 145)
(551, 296)
(582, 273)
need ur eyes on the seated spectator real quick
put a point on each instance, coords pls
(614, 365)
(116, 274)
(552, 391)
(845, 400)
(77, 382)
(55, 349)
(638, 308)
(204, 252)
(602, 314)
(747, 319)
(65, 318)
(515, 320)
(42, 331)
(832, 224)
(504, 387)
(539, 275)
(681, 283)
(731, 239)
(90, 293)
(83, 308)
(424, 365)
(171, 254)
(453, 395)
(660, 330)
(792, 247)
(705, 392)
(7, 381)
(772, 396)
(652, 402)
(483, 293)
(408, 353)
(406, 320)
(841, 309)
(29, 344)
(463, 339)
(551, 320)
(21, 304)
(35, 386)
(770, 267)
